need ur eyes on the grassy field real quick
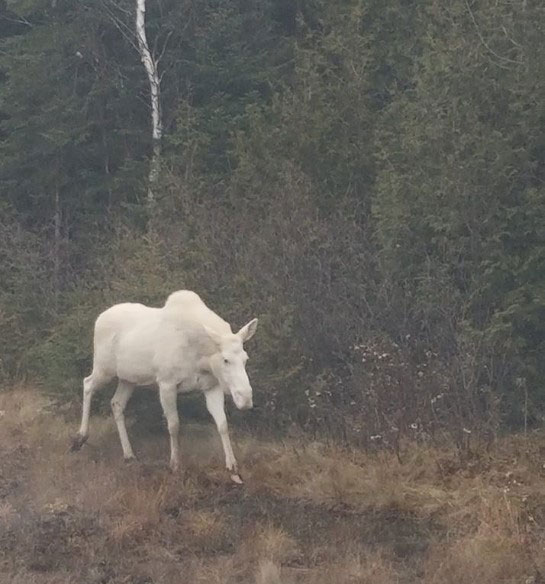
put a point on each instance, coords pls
(306, 514)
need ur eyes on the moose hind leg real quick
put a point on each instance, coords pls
(90, 385)
(119, 402)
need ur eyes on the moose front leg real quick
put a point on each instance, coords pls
(215, 403)
(168, 395)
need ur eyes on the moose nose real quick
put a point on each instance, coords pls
(248, 405)
(242, 402)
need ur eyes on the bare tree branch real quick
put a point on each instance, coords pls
(125, 30)
(484, 43)
(163, 50)
(19, 20)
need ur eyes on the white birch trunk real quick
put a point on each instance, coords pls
(150, 65)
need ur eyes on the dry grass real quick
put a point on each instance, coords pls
(307, 513)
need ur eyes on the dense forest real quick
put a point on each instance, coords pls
(366, 177)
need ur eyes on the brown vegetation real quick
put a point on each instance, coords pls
(306, 514)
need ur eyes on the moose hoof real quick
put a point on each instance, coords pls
(236, 478)
(77, 442)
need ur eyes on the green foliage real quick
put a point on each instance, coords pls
(25, 296)
(64, 358)
(346, 172)
(233, 55)
(459, 159)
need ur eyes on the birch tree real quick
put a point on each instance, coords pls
(151, 65)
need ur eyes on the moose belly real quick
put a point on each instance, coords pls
(134, 363)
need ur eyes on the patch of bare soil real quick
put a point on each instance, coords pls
(318, 525)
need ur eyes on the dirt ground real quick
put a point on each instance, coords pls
(307, 513)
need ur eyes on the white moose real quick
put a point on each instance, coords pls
(180, 347)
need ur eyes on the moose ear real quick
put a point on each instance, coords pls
(216, 337)
(248, 331)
